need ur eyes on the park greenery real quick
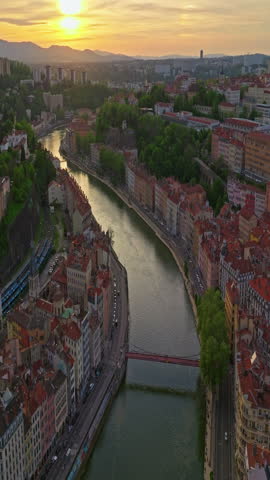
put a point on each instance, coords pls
(157, 94)
(112, 165)
(29, 180)
(83, 143)
(215, 349)
(82, 96)
(166, 149)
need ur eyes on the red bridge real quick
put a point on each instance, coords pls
(188, 362)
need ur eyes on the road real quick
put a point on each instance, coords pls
(224, 423)
(114, 360)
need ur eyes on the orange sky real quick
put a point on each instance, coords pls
(138, 27)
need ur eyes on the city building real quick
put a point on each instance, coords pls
(161, 107)
(16, 140)
(228, 149)
(257, 156)
(53, 102)
(237, 193)
(232, 95)
(11, 437)
(259, 297)
(208, 260)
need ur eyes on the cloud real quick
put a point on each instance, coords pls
(21, 22)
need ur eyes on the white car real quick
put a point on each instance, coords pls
(226, 436)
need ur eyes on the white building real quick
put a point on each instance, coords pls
(232, 95)
(162, 107)
(11, 438)
(16, 140)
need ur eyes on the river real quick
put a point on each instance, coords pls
(150, 431)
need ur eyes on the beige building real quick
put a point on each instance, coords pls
(78, 276)
(252, 382)
(53, 102)
(257, 156)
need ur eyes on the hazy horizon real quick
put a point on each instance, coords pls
(139, 28)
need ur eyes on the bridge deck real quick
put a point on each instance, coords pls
(163, 359)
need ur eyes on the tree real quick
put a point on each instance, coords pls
(215, 349)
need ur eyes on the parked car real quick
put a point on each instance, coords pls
(226, 436)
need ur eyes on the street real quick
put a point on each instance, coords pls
(224, 424)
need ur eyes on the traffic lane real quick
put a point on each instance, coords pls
(223, 450)
(86, 416)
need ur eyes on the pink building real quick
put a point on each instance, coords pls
(44, 396)
(209, 254)
(238, 191)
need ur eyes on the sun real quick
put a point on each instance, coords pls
(70, 24)
(70, 7)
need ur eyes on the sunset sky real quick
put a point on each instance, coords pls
(140, 27)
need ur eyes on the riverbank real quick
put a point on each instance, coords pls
(210, 424)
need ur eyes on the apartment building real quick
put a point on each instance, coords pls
(59, 383)
(252, 401)
(235, 268)
(53, 102)
(257, 156)
(11, 438)
(161, 107)
(208, 260)
(228, 148)
(232, 95)
(78, 267)
(237, 193)
(247, 222)
(96, 341)
(74, 342)
(259, 297)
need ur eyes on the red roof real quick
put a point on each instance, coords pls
(241, 122)
(262, 286)
(227, 104)
(264, 137)
(72, 331)
(207, 121)
(44, 305)
(247, 213)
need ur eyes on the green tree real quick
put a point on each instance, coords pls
(215, 349)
